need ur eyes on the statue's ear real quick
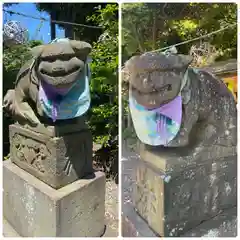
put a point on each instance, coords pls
(131, 63)
(36, 51)
(81, 48)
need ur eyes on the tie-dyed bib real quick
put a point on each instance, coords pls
(74, 104)
(157, 126)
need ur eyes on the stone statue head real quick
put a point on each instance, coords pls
(60, 64)
(156, 78)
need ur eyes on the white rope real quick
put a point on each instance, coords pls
(54, 21)
(197, 38)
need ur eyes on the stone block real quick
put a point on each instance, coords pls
(223, 225)
(172, 161)
(57, 158)
(8, 231)
(175, 196)
(34, 209)
(133, 225)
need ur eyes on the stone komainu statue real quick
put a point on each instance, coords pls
(52, 86)
(50, 138)
(51, 141)
(173, 105)
(186, 121)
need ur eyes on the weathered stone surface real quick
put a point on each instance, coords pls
(62, 128)
(172, 162)
(111, 214)
(34, 209)
(8, 230)
(133, 225)
(223, 225)
(173, 204)
(57, 161)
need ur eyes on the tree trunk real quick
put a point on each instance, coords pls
(69, 32)
(53, 26)
(69, 29)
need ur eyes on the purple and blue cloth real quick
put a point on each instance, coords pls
(157, 126)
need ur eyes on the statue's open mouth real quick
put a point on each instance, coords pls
(167, 87)
(61, 72)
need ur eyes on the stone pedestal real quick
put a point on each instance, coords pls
(55, 155)
(175, 192)
(223, 225)
(35, 209)
(50, 188)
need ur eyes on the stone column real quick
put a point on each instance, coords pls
(50, 189)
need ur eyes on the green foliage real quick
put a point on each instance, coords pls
(146, 26)
(13, 59)
(6, 157)
(103, 116)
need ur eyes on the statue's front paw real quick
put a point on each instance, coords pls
(31, 119)
(180, 141)
(8, 100)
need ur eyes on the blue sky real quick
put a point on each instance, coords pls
(32, 24)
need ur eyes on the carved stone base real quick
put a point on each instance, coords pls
(175, 195)
(57, 159)
(34, 209)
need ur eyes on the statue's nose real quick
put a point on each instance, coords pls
(147, 82)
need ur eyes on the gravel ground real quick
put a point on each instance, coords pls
(111, 209)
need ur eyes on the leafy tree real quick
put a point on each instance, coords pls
(103, 116)
(148, 26)
(13, 60)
